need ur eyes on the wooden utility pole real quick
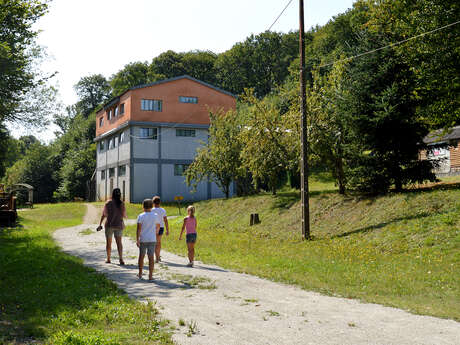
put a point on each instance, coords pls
(304, 135)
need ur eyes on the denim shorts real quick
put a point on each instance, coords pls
(110, 232)
(161, 232)
(148, 247)
(190, 238)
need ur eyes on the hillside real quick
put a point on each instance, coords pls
(401, 249)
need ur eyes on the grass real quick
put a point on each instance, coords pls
(401, 250)
(52, 297)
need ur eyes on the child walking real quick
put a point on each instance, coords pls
(148, 226)
(163, 223)
(190, 225)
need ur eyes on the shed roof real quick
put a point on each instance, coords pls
(442, 135)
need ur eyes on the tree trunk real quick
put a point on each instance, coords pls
(340, 175)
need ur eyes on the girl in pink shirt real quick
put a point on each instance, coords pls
(190, 238)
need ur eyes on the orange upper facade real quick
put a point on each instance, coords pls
(177, 100)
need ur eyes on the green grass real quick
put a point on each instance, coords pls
(52, 297)
(400, 250)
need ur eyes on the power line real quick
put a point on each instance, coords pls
(284, 9)
(390, 45)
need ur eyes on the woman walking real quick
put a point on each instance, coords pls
(114, 211)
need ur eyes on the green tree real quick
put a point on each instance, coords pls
(168, 64)
(76, 154)
(329, 134)
(270, 141)
(260, 62)
(35, 168)
(383, 107)
(433, 58)
(18, 53)
(219, 159)
(92, 91)
(133, 74)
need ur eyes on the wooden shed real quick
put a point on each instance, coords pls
(445, 147)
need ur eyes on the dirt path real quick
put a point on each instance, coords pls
(232, 308)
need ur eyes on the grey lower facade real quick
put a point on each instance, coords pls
(144, 159)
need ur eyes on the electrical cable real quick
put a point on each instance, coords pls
(284, 9)
(390, 45)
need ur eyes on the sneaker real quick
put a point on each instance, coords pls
(190, 264)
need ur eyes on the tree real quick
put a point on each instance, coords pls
(383, 107)
(433, 58)
(219, 159)
(17, 55)
(133, 74)
(76, 153)
(270, 141)
(330, 136)
(168, 64)
(200, 65)
(260, 62)
(35, 168)
(92, 91)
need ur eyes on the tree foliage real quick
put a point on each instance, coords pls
(219, 159)
(36, 168)
(260, 62)
(92, 91)
(269, 139)
(17, 55)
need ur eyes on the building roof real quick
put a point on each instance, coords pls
(115, 100)
(441, 135)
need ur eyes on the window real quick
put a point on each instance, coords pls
(151, 104)
(109, 115)
(184, 99)
(121, 138)
(115, 141)
(111, 143)
(102, 146)
(185, 132)
(149, 133)
(102, 174)
(101, 121)
(179, 169)
(111, 172)
(122, 170)
(115, 111)
(122, 109)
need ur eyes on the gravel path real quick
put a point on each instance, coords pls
(228, 308)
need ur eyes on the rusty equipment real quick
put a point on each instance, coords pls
(8, 214)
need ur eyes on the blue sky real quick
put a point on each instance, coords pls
(84, 37)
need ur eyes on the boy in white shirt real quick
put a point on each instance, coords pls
(148, 226)
(163, 223)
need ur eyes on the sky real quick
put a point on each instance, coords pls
(84, 37)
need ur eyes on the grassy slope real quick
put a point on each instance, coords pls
(401, 250)
(51, 296)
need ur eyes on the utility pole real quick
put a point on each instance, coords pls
(304, 135)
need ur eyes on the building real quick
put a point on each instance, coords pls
(147, 136)
(445, 147)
